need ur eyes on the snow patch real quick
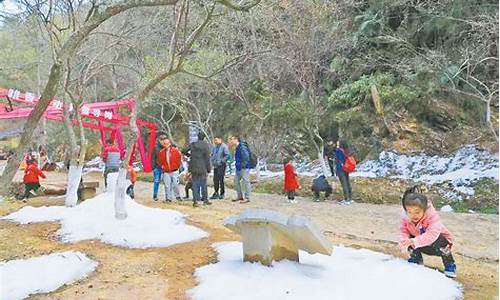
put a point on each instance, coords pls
(23, 277)
(346, 274)
(95, 219)
(446, 208)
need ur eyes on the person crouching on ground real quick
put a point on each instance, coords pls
(320, 184)
(31, 178)
(290, 184)
(421, 231)
(132, 176)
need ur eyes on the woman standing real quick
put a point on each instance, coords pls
(341, 154)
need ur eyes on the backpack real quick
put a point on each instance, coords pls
(349, 164)
(253, 158)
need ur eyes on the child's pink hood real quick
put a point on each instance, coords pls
(430, 225)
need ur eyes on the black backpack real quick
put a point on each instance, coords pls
(253, 158)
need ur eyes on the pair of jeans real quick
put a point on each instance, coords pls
(171, 181)
(439, 248)
(157, 172)
(346, 185)
(243, 174)
(200, 191)
(219, 173)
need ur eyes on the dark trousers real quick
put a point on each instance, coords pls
(438, 248)
(200, 191)
(187, 187)
(331, 165)
(130, 191)
(219, 173)
(316, 192)
(346, 185)
(30, 187)
(291, 195)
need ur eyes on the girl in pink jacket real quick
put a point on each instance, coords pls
(421, 231)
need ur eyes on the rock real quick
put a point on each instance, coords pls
(269, 236)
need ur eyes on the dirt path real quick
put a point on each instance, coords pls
(166, 273)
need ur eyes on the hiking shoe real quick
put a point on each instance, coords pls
(206, 202)
(168, 200)
(243, 201)
(155, 198)
(237, 199)
(32, 192)
(178, 198)
(415, 260)
(316, 200)
(221, 196)
(214, 196)
(450, 270)
(345, 202)
(195, 204)
(293, 201)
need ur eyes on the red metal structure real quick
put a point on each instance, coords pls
(102, 116)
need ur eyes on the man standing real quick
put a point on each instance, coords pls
(157, 170)
(329, 155)
(169, 159)
(112, 157)
(243, 166)
(220, 153)
(199, 167)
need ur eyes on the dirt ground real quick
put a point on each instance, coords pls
(167, 273)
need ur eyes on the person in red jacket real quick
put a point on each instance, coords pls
(31, 178)
(170, 159)
(291, 184)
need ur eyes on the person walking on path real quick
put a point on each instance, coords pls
(290, 184)
(31, 179)
(199, 167)
(218, 158)
(112, 157)
(243, 166)
(157, 170)
(169, 159)
(341, 154)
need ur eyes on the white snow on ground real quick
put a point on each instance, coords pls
(348, 274)
(94, 165)
(23, 277)
(95, 219)
(460, 171)
(446, 208)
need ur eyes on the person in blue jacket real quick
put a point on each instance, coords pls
(243, 166)
(341, 153)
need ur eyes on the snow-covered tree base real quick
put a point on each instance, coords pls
(120, 189)
(74, 177)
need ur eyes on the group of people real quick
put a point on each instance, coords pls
(201, 159)
(337, 158)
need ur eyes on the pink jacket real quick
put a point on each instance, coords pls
(426, 231)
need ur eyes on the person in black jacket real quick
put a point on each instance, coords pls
(320, 184)
(157, 171)
(199, 167)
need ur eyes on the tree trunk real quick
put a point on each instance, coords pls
(75, 172)
(121, 183)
